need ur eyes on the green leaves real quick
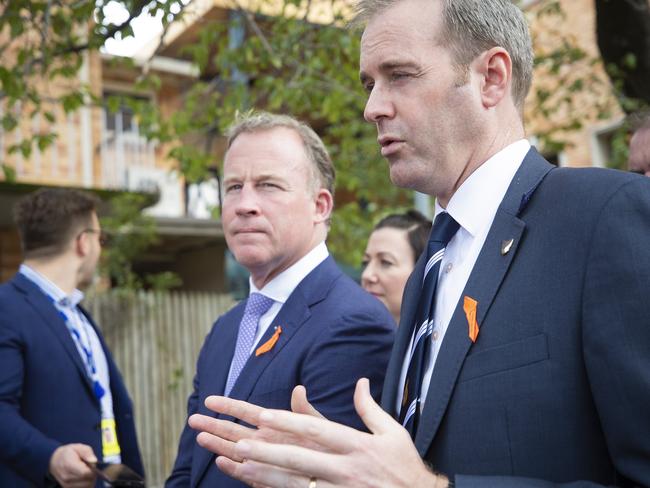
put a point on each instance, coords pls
(8, 172)
(193, 162)
(9, 122)
(10, 84)
(287, 65)
(72, 101)
(131, 233)
(570, 89)
(282, 64)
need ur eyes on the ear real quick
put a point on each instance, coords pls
(324, 203)
(494, 68)
(82, 244)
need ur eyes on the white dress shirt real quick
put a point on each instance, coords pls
(282, 286)
(473, 206)
(88, 338)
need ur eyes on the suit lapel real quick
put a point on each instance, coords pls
(222, 349)
(53, 320)
(483, 283)
(215, 375)
(293, 315)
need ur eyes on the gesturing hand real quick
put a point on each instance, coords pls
(301, 449)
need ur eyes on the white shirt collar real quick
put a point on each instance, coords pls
(50, 288)
(280, 287)
(475, 203)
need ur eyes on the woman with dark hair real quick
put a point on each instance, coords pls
(393, 247)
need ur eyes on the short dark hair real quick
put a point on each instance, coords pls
(48, 218)
(417, 228)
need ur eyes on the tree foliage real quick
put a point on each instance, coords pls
(623, 33)
(285, 64)
(130, 234)
(42, 44)
(42, 47)
(281, 63)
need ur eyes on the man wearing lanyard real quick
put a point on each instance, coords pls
(62, 400)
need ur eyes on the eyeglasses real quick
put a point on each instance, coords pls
(104, 238)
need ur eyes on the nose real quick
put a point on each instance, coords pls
(368, 275)
(378, 106)
(247, 203)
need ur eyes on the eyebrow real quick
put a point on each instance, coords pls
(260, 177)
(230, 178)
(388, 66)
(387, 254)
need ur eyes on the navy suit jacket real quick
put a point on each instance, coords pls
(556, 387)
(46, 397)
(333, 333)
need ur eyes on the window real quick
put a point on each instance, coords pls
(604, 141)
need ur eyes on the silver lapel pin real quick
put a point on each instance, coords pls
(505, 246)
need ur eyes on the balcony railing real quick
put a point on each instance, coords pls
(81, 155)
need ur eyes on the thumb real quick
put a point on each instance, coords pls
(300, 404)
(372, 415)
(85, 452)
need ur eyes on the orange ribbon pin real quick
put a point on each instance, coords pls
(268, 345)
(469, 306)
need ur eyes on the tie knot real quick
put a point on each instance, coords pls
(444, 228)
(258, 304)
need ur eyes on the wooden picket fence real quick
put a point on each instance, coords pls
(155, 339)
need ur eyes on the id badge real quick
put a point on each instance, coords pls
(110, 445)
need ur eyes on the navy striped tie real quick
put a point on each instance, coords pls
(443, 230)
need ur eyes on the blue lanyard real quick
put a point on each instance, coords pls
(88, 353)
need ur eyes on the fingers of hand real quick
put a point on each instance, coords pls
(307, 430)
(217, 445)
(221, 428)
(298, 460)
(260, 475)
(245, 411)
(85, 452)
(373, 416)
(277, 437)
(300, 404)
(227, 465)
(68, 467)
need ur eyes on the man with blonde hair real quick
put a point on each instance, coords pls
(304, 322)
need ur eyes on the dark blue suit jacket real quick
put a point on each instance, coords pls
(557, 385)
(46, 397)
(333, 333)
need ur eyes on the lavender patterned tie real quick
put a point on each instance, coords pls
(256, 306)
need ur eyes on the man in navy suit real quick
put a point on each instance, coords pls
(313, 326)
(62, 400)
(536, 363)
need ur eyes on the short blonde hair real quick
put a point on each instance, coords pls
(256, 121)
